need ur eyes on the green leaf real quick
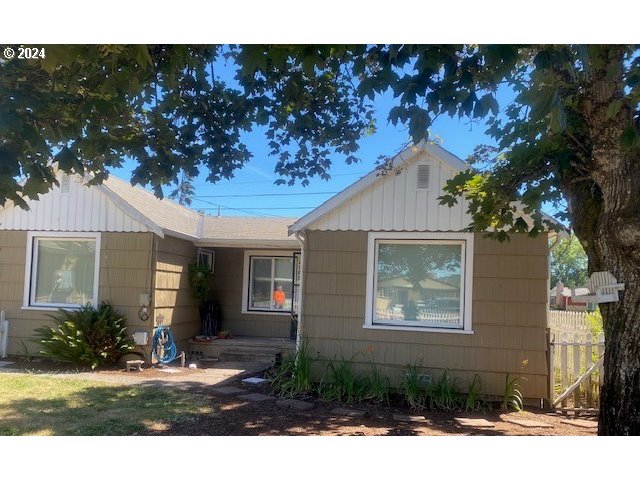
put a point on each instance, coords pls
(543, 103)
(558, 121)
(142, 55)
(67, 161)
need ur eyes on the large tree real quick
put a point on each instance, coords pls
(568, 135)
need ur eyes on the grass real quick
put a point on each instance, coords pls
(42, 405)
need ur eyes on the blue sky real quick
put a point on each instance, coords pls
(257, 177)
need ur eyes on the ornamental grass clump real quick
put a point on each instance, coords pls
(86, 336)
(292, 377)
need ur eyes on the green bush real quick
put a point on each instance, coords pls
(293, 376)
(474, 401)
(87, 336)
(414, 388)
(595, 323)
(199, 276)
(512, 398)
(341, 384)
(444, 394)
(376, 386)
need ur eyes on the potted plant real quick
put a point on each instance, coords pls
(222, 334)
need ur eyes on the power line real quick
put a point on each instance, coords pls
(244, 195)
(262, 208)
(271, 181)
(241, 210)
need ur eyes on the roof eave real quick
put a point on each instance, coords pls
(247, 243)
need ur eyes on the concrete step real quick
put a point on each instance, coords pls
(245, 355)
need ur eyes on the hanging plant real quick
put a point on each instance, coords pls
(199, 276)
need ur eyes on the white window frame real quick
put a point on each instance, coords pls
(31, 264)
(248, 254)
(466, 295)
(206, 257)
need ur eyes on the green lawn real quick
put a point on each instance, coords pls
(44, 405)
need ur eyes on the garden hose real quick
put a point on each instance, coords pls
(164, 346)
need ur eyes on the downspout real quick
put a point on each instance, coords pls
(299, 331)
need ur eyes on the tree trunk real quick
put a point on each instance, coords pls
(611, 235)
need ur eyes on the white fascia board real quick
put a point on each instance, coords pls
(247, 243)
(180, 235)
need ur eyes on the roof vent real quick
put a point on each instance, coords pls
(424, 176)
(65, 183)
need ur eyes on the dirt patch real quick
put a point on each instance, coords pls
(236, 416)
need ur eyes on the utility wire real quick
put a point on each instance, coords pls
(244, 195)
(241, 210)
(272, 181)
(262, 208)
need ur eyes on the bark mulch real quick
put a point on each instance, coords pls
(242, 416)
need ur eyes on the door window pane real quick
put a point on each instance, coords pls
(271, 283)
(260, 283)
(283, 283)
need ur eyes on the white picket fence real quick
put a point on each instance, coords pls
(439, 317)
(561, 321)
(576, 371)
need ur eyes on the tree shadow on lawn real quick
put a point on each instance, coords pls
(103, 410)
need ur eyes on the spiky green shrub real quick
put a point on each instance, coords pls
(414, 388)
(511, 397)
(87, 336)
(444, 394)
(340, 383)
(376, 386)
(293, 376)
(474, 400)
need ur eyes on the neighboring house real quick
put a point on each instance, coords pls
(389, 276)
(565, 300)
(114, 242)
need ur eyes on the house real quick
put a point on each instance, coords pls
(391, 277)
(380, 273)
(79, 244)
(565, 300)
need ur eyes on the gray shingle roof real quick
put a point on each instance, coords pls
(247, 228)
(173, 217)
(166, 214)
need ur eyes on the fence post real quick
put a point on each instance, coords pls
(588, 358)
(601, 349)
(552, 369)
(563, 366)
(577, 350)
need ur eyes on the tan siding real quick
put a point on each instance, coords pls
(125, 273)
(509, 314)
(227, 288)
(172, 300)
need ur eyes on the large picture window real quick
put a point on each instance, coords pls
(419, 281)
(62, 270)
(268, 282)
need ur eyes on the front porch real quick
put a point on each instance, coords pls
(241, 348)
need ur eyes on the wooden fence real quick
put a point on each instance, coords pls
(561, 321)
(576, 370)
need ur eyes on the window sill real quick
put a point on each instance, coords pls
(50, 309)
(418, 329)
(265, 312)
